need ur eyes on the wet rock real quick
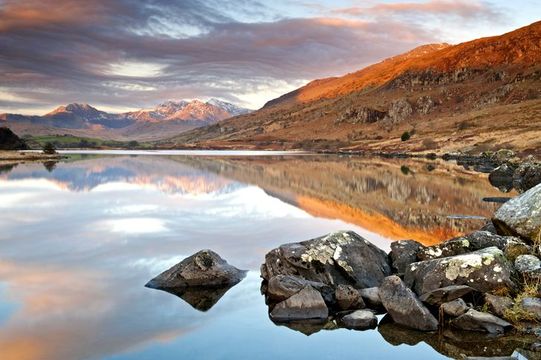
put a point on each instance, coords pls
(403, 253)
(445, 249)
(532, 306)
(348, 298)
(454, 308)
(527, 264)
(306, 304)
(203, 269)
(359, 320)
(498, 304)
(502, 177)
(521, 216)
(526, 176)
(281, 287)
(338, 258)
(484, 270)
(445, 294)
(404, 307)
(371, 297)
(474, 320)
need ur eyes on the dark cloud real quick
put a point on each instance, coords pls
(58, 51)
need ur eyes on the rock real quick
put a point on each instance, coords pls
(203, 269)
(281, 287)
(348, 298)
(532, 306)
(513, 249)
(521, 216)
(338, 258)
(10, 141)
(526, 176)
(306, 304)
(404, 307)
(498, 304)
(361, 115)
(445, 249)
(403, 253)
(484, 270)
(527, 264)
(445, 294)
(502, 177)
(424, 105)
(371, 297)
(489, 227)
(359, 320)
(474, 320)
(503, 155)
(400, 110)
(454, 308)
(484, 239)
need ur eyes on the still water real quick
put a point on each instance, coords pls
(80, 238)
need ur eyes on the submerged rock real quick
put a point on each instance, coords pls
(403, 253)
(359, 320)
(338, 258)
(484, 270)
(203, 269)
(306, 304)
(474, 320)
(404, 307)
(521, 216)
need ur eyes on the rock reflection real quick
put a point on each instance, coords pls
(202, 299)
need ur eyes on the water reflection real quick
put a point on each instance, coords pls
(79, 240)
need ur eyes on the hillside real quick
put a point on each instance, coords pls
(147, 124)
(473, 96)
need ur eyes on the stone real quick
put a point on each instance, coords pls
(371, 297)
(484, 270)
(445, 249)
(359, 320)
(483, 239)
(348, 298)
(404, 307)
(532, 306)
(399, 110)
(521, 216)
(403, 253)
(474, 320)
(526, 176)
(527, 264)
(502, 177)
(513, 249)
(445, 294)
(498, 304)
(306, 304)
(203, 269)
(454, 308)
(338, 258)
(281, 287)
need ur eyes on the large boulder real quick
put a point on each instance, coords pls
(484, 270)
(306, 304)
(359, 320)
(521, 216)
(203, 269)
(404, 307)
(338, 258)
(474, 320)
(403, 253)
(526, 176)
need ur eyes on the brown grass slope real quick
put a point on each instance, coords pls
(474, 96)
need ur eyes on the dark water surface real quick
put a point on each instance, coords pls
(80, 238)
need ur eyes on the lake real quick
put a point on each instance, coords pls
(80, 238)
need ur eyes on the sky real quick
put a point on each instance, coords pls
(121, 55)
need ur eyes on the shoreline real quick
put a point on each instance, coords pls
(23, 156)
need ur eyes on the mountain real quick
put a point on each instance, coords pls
(472, 97)
(148, 124)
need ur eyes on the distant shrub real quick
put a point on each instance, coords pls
(49, 148)
(405, 136)
(133, 144)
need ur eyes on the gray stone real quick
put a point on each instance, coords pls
(526, 176)
(399, 110)
(527, 264)
(404, 307)
(484, 270)
(371, 297)
(359, 320)
(445, 249)
(348, 298)
(445, 294)
(502, 177)
(532, 306)
(474, 320)
(403, 253)
(521, 216)
(454, 308)
(338, 258)
(281, 287)
(203, 269)
(484, 239)
(498, 304)
(306, 304)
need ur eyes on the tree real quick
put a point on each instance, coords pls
(49, 148)
(405, 136)
(133, 144)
